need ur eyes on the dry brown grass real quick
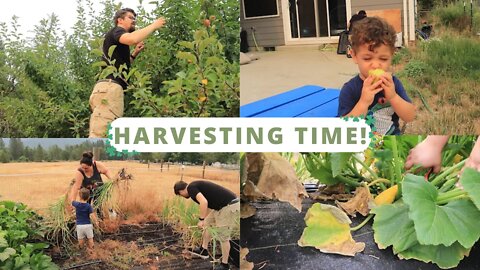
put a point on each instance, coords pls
(119, 254)
(42, 183)
(454, 112)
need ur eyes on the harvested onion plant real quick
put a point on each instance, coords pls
(183, 215)
(60, 222)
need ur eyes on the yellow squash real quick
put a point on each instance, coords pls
(387, 196)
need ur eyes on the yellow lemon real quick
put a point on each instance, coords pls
(376, 73)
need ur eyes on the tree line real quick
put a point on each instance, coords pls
(16, 151)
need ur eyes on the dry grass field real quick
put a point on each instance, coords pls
(42, 183)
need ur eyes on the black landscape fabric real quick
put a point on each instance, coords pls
(272, 233)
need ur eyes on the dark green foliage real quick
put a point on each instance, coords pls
(21, 239)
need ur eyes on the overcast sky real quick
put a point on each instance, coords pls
(32, 11)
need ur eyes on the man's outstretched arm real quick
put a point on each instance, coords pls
(139, 35)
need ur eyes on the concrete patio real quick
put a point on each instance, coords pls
(292, 67)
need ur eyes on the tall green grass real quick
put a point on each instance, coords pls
(442, 74)
(453, 16)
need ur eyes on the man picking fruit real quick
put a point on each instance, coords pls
(374, 91)
(106, 100)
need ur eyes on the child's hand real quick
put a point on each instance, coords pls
(473, 160)
(426, 154)
(388, 86)
(369, 90)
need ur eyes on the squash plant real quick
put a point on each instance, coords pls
(432, 219)
(20, 239)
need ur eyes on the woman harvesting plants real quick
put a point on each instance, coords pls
(89, 176)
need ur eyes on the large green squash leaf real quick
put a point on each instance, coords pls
(392, 227)
(440, 224)
(444, 257)
(328, 229)
(470, 181)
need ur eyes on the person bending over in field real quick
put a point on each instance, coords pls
(84, 217)
(219, 209)
(375, 91)
(106, 100)
(428, 154)
(88, 176)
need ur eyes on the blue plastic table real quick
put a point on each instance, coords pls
(306, 101)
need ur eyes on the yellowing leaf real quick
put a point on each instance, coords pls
(202, 99)
(275, 178)
(328, 229)
(204, 81)
(244, 264)
(359, 203)
(246, 210)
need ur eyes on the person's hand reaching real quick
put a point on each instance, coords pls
(427, 154)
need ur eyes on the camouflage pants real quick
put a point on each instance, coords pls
(106, 102)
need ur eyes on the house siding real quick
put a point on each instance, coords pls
(358, 5)
(268, 31)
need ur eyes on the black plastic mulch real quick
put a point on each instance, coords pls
(272, 233)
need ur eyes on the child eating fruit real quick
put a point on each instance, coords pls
(374, 91)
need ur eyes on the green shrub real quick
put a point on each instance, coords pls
(415, 69)
(454, 16)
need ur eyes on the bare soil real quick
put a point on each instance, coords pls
(147, 246)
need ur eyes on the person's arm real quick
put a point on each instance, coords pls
(75, 188)
(203, 208)
(138, 49)
(403, 108)
(473, 160)
(104, 170)
(427, 153)
(93, 217)
(139, 35)
(369, 91)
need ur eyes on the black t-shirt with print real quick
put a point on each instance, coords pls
(217, 196)
(121, 54)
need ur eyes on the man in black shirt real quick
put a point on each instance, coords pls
(219, 208)
(106, 100)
